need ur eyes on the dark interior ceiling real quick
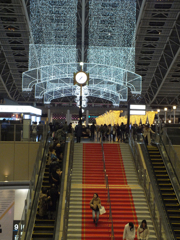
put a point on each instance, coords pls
(157, 52)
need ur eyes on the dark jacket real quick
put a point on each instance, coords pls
(78, 130)
(53, 193)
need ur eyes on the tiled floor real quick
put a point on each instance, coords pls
(6, 213)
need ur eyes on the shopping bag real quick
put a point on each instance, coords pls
(102, 210)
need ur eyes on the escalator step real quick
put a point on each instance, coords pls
(169, 194)
(174, 210)
(160, 171)
(170, 200)
(43, 229)
(175, 217)
(42, 235)
(163, 179)
(162, 167)
(45, 181)
(158, 163)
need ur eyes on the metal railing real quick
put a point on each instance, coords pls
(31, 201)
(107, 186)
(148, 182)
(20, 132)
(175, 161)
(67, 197)
(171, 161)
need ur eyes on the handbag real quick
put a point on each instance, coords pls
(102, 210)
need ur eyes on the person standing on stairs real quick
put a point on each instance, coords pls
(95, 205)
(129, 231)
(143, 231)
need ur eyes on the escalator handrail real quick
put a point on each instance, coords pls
(26, 231)
(169, 167)
(174, 152)
(158, 199)
(62, 188)
(107, 186)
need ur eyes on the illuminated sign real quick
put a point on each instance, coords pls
(20, 109)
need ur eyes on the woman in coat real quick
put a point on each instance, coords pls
(95, 205)
(129, 231)
(146, 133)
(143, 231)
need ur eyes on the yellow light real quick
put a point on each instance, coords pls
(174, 107)
(165, 109)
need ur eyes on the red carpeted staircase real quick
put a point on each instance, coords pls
(122, 205)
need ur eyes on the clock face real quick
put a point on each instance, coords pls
(81, 77)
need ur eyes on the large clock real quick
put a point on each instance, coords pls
(81, 78)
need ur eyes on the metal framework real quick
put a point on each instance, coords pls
(157, 52)
(14, 42)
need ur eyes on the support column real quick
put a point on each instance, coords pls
(49, 115)
(80, 106)
(87, 117)
(68, 117)
(128, 117)
(83, 30)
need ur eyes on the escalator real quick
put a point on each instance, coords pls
(44, 228)
(166, 189)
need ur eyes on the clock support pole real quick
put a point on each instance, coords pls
(80, 106)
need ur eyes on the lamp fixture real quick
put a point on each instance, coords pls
(6, 178)
(165, 109)
(174, 107)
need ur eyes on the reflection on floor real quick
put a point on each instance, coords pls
(6, 213)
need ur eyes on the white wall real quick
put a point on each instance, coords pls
(20, 196)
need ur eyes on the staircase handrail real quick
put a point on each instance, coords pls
(107, 186)
(169, 164)
(31, 201)
(143, 175)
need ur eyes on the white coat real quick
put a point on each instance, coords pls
(128, 234)
(143, 233)
(147, 132)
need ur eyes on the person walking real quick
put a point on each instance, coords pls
(95, 205)
(143, 231)
(129, 231)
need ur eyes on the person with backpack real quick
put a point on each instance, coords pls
(143, 231)
(95, 205)
(43, 199)
(129, 231)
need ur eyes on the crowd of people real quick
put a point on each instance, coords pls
(49, 197)
(116, 133)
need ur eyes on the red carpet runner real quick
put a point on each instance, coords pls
(123, 210)
(93, 178)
